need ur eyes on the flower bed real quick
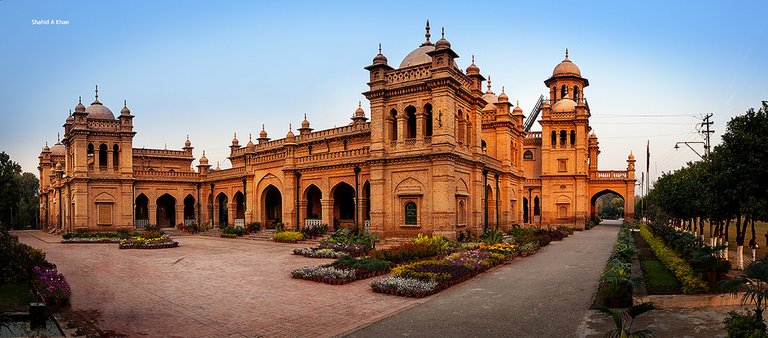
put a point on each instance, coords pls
(288, 236)
(691, 283)
(91, 240)
(406, 252)
(94, 237)
(51, 285)
(424, 278)
(506, 249)
(317, 252)
(162, 242)
(344, 270)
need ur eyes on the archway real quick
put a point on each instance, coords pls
(608, 203)
(223, 200)
(273, 206)
(166, 211)
(536, 210)
(344, 204)
(142, 211)
(410, 115)
(239, 209)
(525, 210)
(313, 195)
(366, 199)
(189, 210)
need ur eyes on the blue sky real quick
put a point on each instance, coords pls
(213, 68)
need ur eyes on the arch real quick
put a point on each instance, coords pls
(576, 93)
(166, 211)
(189, 209)
(563, 91)
(223, 201)
(345, 143)
(103, 156)
(483, 145)
(573, 138)
(272, 200)
(239, 208)
(410, 116)
(461, 187)
(343, 202)
(461, 212)
(536, 207)
(116, 156)
(366, 195)
(409, 187)
(554, 138)
(563, 137)
(593, 201)
(428, 121)
(411, 213)
(490, 206)
(393, 127)
(528, 155)
(141, 214)
(309, 149)
(460, 127)
(526, 207)
(313, 196)
(90, 149)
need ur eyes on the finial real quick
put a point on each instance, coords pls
(125, 105)
(235, 135)
(249, 137)
(262, 127)
(566, 53)
(442, 32)
(427, 35)
(489, 83)
(473, 59)
(379, 47)
(46, 143)
(290, 126)
(502, 89)
(305, 116)
(203, 152)
(80, 99)
(360, 104)
(97, 92)
(187, 136)
(166, 146)
(58, 137)
(70, 112)
(518, 103)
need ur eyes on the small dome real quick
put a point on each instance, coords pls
(235, 142)
(517, 108)
(250, 143)
(490, 107)
(290, 134)
(442, 43)
(305, 123)
(99, 111)
(58, 149)
(58, 166)
(125, 111)
(503, 96)
(187, 143)
(631, 156)
(79, 107)
(379, 59)
(592, 135)
(490, 97)
(263, 133)
(203, 159)
(70, 119)
(566, 68)
(418, 56)
(565, 105)
(473, 69)
(359, 112)
(46, 149)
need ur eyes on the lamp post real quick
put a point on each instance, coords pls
(706, 150)
(357, 174)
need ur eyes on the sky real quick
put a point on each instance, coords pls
(209, 69)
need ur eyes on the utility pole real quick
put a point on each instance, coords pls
(707, 131)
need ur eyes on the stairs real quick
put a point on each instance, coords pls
(262, 235)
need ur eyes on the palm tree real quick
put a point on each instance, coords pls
(625, 319)
(753, 283)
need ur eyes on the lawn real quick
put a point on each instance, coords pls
(760, 229)
(658, 277)
(15, 297)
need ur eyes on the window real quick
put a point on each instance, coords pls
(410, 114)
(528, 155)
(116, 157)
(309, 149)
(576, 93)
(410, 213)
(573, 138)
(554, 138)
(393, 122)
(562, 211)
(563, 91)
(536, 207)
(104, 211)
(103, 156)
(428, 124)
(563, 137)
(483, 146)
(345, 144)
(462, 213)
(562, 165)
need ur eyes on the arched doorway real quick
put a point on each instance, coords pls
(239, 209)
(344, 205)
(223, 202)
(142, 211)
(607, 204)
(313, 195)
(189, 210)
(526, 207)
(166, 211)
(366, 199)
(536, 210)
(273, 206)
(490, 207)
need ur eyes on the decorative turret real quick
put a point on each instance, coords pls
(379, 67)
(203, 167)
(126, 119)
(262, 135)
(250, 144)
(359, 115)
(188, 146)
(473, 71)
(443, 55)
(631, 166)
(503, 106)
(517, 114)
(305, 129)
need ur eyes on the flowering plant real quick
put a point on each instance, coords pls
(288, 236)
(139, 242)
(404, 286)
(319, 253)
(326, 273)
(51, 285)
(500, 248)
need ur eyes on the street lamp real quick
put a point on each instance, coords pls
(677, 146)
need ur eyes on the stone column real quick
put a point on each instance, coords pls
(327, 206)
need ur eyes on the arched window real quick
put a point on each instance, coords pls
(563, 137)
(483, 146)
(103, 156)
(410, 115)
(116, 157)
(410, 213)
(573, 138)
(554, 93)
(576, 93)
(90, 148)
(563, 91)
(462, 213)
(344, 143)
(428, 121)
(528, 155)
(90, 156)
(309, 149)
(393, 122)
(554, 138)
(536, 206)
(525, 209)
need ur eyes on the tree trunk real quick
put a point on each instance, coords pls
(740, 257)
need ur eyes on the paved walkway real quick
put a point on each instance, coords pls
(544, 295)
(208, 287)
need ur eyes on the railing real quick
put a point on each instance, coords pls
(428, 139)
(165, 174)
(393, 143)
(104, 124)
(609, 175)
(188, 222)
(142, 223)
(158, 152)
(367, 225)
(232, 172)
(532, 181)
(335, 155)
(410, 142)
(239, 222)
(313, 222)
(409, 74)
(533, 134)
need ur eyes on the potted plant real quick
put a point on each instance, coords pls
(618, 283)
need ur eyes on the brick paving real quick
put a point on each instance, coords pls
(210, 287)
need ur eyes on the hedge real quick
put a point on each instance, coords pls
(691, 282)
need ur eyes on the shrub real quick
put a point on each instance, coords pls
(406, 252)
(51, 285)
(325, 272)
(465, 236)
(744, 325)
(529, 248)
(224, 235)
(505, 249)
(288, 236)
(314, 230)
(319, 253)
(254, 227)
(363, 265)
(691, 283)
(492, 237)
(236, 231)
(439, 244)
(151, 234)
(346, 236)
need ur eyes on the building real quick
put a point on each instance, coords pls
(439, 155)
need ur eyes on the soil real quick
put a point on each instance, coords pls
(645, 253)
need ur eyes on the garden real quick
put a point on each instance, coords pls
(152, 237)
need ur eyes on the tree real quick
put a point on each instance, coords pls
(19, 200)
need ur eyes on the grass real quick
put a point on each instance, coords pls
(760, 229)
(657, 275)
(15, 296)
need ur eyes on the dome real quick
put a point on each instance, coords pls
(263, 133)
(250, 143)
(235, 142)
(290, 135)
(70, 119)
(566, 68)
(631, 156)
(592, 135)
(203, 159)
(565, 105)
(58, 149)
(503, 96)
(99, 111)
(125, 111)
(58, 166)
(489, 107)
(379, 59)
(187, 143)
(517, 108)
(305, 123)
(359, 112)
(473, 69)
(418, 56)
(442, 43)
(79, 107)
(490, 97)
(46, 149)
